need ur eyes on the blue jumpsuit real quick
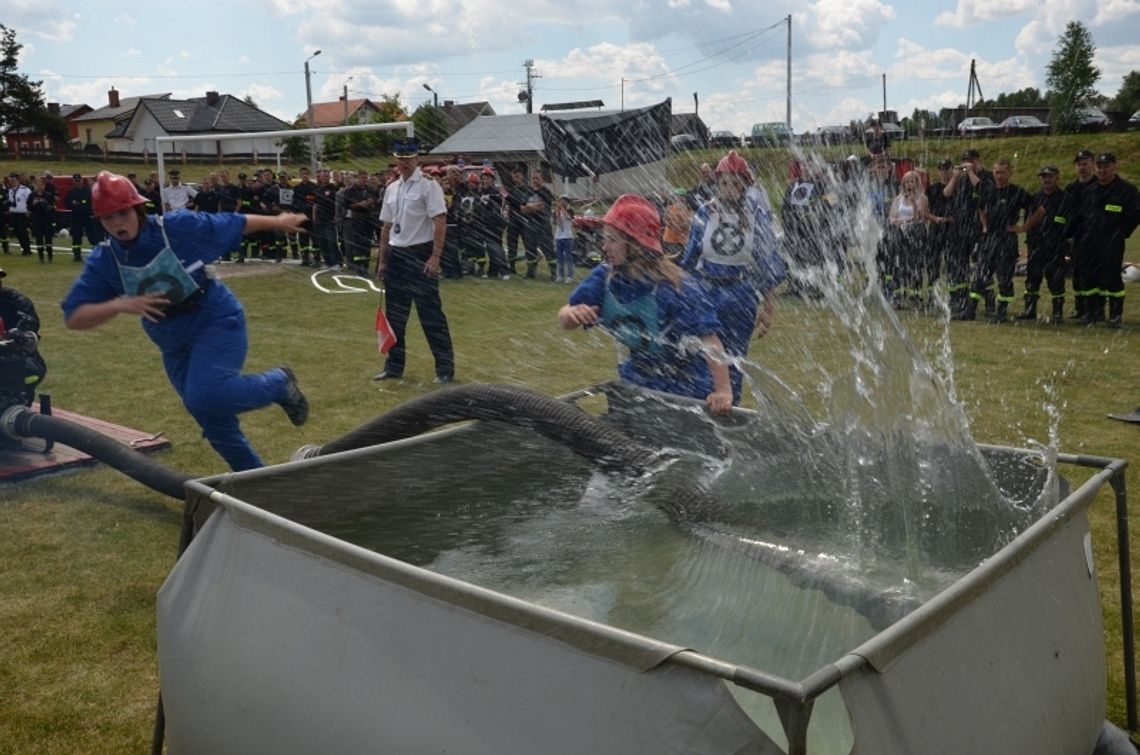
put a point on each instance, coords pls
(203, 342)
(660, 325)
(737, 264)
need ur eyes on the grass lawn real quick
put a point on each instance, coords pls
(85, 552)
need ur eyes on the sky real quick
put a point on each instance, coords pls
(726, 59)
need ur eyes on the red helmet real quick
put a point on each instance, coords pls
(734, 163)
(112, 193)
(636, 216)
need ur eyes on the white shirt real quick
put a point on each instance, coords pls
(409, 207)
(177, 196)
(18, 199)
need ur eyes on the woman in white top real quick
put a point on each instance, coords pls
(907, 238)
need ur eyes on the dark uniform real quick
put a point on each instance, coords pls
(516, 222)
(361, 204)
(460, 208)
(966, 202)
(21, 366)
(78, 203)
(304, 196)
(1046, 242)
(806, 217)
(997, 252)
(940, 239)
(5, 244)
(228, 200)
(206, 200)
(539, 235)
(41, 219)
(488, 230)
(248, 205)
(324, 223)
(1109, 214)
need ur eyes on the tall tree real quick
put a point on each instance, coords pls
(1128, 98)
(21, 101)
(1071, 77)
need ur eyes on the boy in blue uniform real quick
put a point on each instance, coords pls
(154, 266)
(653, 308)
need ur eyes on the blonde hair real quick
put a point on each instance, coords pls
(643, 262)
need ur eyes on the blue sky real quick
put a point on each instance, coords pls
(731, 53)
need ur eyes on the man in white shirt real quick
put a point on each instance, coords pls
(176, 195)
(414, 214)
(18, 195)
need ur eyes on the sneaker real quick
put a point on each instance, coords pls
(385, 375)
(504, 277)
(294, 403)
(557, 279)
(443, 379)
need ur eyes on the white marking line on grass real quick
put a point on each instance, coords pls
(345, 284)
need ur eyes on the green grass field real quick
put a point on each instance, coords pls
(85, 552)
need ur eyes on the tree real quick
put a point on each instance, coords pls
(21, 100)
(1071, 77)
(1128, 98)
(429, 125)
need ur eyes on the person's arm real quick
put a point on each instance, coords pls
(87, 316)
(289, 222)
(948, 189)
(764, 314)
(578, 315)
(1033, 220)
(439, 233)
(720, 400)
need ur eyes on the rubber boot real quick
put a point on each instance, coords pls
(1078, 307)
(531, 269)
(1030, 312)
(1094, 310)
(1058, 312)
(1002, 312)
(1115, 312)
(990, 299)
(969, 310)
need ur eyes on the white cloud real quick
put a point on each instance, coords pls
(841, 24)
(132, 52)
(1114, 11)
(970, 13)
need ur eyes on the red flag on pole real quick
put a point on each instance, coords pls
(385, 338)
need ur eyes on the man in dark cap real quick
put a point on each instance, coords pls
(969, 190)
(1044, 227)
(942, 241)
(78, 202)
(176, 195)
(1110, 212)
(414, 214)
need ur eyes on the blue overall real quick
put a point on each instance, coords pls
(203, 342)
(736, 264)
(660, 325)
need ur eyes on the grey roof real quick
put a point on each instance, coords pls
(126, 106)
(228, 114)
(516, 132)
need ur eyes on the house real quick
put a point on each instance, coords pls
(341, 112)
(214, 113)
(507, 141)
(31, 139)
(93, 127)
(454, 117)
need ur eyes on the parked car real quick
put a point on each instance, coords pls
(1023, 124)
(893, 131)
(723, 140)
(771, 134)
(1134, 121)
(1093, 119)
(685, 143)
(977, 126)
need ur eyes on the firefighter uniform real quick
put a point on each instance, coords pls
(1110, 211)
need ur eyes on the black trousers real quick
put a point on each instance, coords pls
(18, 221)
(997, 258)
(406, 284)
(1046, 261)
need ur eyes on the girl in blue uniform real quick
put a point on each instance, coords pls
(154, 267)
(653, 308)
(732, 253)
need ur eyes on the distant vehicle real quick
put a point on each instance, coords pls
(833, 135)
(1093, 119)
(723, 140)
(893, 131)
(1134, 121)
(976, 126)
(1023, 124)
(685, 143)
(771, 134)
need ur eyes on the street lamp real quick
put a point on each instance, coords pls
(309, 114)
(434, 95)
(350, 78)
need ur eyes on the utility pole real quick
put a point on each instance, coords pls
(309, 113)
(346, 99)
(974, 85)
(788, 112)
(528, 95)
(883, 115)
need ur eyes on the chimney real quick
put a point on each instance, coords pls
(53, 108)
(113, 97)
(212, 98)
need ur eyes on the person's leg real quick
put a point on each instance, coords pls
(75, 230)
(429, 307)
(736, 306)
(401, 268)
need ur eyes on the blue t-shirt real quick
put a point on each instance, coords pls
(194, 238)
(664, 354)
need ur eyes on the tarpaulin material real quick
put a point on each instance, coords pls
(610, 142)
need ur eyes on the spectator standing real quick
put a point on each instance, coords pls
(360, 204)
(5, 243)
(940, 236)
(907, 237)
(304, 195)
(489, 223)
(732, 253)
(460, 204)
(414, 214)
(1110, 212)
(78, 203)
(968, 189)
(1044, 235)
(564, 240)
(1082, 258)
(805, 217)
(997, 254)
(176, 195)
(517, 193)
(324, 219)
(539, 213)
(18, 196)
(41, 219)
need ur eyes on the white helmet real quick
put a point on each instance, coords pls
(1130, 273)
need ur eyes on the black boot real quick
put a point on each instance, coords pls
(1115, 312)
(990, 303)
(1094, 310)
(1030, 312)
(1078, 308)
(1002, 313)
(1058, 312)
(969, 310)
